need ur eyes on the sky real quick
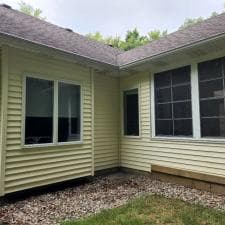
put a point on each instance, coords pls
(114, 18)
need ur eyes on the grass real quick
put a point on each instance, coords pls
(155, 210)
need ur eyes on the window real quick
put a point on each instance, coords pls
(212, 97)
(173, 110)
(41, 124)
(68, 112)
(131, 112)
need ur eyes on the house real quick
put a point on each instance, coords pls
(71, 107)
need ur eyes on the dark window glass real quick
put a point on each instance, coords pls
(39, 111)
(210, 69)
(182, 92)
(183, 127)
(212, 97)
(213, 127)
(69, 112)
(164, 127)
(163, 95)
(164, 111)
(212, 108)
(182, 110)
(213, 88)
(131, 113)
(185, 78)
(168, 109)
(163, 80)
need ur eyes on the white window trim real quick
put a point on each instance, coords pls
(55, 112)
(139, 111)
(195, 111)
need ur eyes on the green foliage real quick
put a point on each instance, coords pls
(30, 10)
(155, 210)
(190, 22)
(133, 39)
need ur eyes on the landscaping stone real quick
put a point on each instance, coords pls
(91, 197)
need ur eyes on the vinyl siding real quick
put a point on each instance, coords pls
(140, 153)
(106, 122)
(31, 167)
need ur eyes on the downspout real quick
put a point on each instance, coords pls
(92, 122)
(4, 106)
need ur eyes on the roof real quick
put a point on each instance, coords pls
(22, 26)
(207, 29)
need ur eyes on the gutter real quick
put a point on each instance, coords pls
(90, 59)
(167, 53)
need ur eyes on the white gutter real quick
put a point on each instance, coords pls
(167, 53)
(61, 50)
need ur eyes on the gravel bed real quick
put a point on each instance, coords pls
(100, 193)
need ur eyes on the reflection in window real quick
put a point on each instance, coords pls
(173, 111)
(39, 111)
(68, 112)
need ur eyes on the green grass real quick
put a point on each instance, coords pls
(155, 210)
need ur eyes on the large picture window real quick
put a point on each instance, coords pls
(173, 110)
(131, 112)
(212, 97)
(41, 124)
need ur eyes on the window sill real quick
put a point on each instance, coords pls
(131, 136)
(190, 139)
(51, 144)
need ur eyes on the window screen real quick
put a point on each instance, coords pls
(131, 112)
(173, 111)
(212, 97)
(39, 111)
(68, 112)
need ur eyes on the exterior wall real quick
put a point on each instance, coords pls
(31, 167)
(205, 157)
(106, 122)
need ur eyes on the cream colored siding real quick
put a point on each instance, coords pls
(106, 125)
(30, 167)
(199, 156)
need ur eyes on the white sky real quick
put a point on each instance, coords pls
(117, 16)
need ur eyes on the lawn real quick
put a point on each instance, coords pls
(155, 210)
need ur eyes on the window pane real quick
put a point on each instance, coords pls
(169, 108)
(39, 111)
(213, 127)
(164, 127)
(131, 113)
(163, 95)
(212, 88)
(181, 93)
(210, 69)
(182, 110)
(163, 79)
(69, 112)
(164, 111)
(183, 127)
(181, 75)
(211, 108)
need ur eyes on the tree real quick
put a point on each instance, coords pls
(30, 10)
(190, 22)
(156, 34)
(133, 39)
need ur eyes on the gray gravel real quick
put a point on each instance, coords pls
(101, 193)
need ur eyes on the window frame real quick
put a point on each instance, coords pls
(122, 111)
(195, 101)
(55, 111)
